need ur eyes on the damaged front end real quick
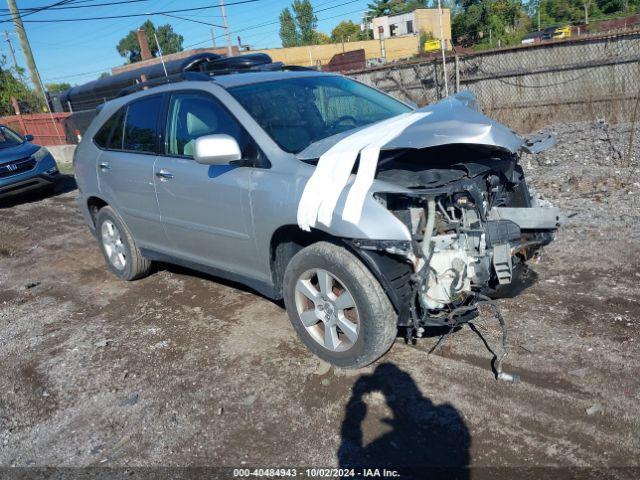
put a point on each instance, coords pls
(452, 180)
(455, 183)
(473, 226)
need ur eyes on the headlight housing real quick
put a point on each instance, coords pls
(40, 154)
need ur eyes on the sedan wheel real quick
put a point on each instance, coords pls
(337, 307)
(113, 246)
(327, 310)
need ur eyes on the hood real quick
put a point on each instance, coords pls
(23, 150)
(453, 120)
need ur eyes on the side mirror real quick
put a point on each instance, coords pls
(28, 137)
(216, 150)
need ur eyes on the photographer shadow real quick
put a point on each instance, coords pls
(424, 440)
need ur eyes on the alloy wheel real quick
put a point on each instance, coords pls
(327, 310)
(113, 246)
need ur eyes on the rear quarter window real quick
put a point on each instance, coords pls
(110, 134)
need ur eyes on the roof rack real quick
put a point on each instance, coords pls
(208, 69)
(198, 67)
(156, 82)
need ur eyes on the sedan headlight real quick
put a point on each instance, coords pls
(40, 154)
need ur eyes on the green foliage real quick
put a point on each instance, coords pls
(489, 22)
(288, 30)
(509, 20)
(299, 28)
(381, 8)
(346, 31)
(322, 38)
(57, 87)
(306, 21)
(10, 86)
(170, 41)
(104, 75)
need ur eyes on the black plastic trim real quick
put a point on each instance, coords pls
(263, 288)
(394, 274)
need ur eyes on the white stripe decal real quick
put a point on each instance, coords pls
(322, 191)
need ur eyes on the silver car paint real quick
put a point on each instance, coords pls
(226, 219)
(452, 120)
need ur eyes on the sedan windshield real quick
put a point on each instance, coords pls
(9, 138)
(297, 112)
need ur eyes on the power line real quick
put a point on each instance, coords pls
(252, 27)
(274, 22)
(72, 4)
(35, 10)
(191, 20)
(240, 2)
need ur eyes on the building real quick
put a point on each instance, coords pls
(418, 22)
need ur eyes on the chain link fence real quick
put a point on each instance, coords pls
(528, 87)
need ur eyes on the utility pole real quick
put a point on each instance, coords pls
(213, 36)
(13, 53)
(442, 44)
(26, 48)
(539, 5)
(226, 28)
(587, 4)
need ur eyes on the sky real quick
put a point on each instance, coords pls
(77, 52)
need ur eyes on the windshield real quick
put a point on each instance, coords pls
(297, 112)
(9, 138)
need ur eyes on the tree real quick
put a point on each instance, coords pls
(381, 8)
(170, 41)
(57, 87)
(288, 29)
(299, 28)
(10, 87)
(488, 21)
(346, 31)
(306, 21)
(322, 38)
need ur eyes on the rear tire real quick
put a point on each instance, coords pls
(118, 247)
(352, 306)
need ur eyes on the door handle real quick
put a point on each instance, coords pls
(104, 166)
(164, 174)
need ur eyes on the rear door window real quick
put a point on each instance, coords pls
(141, 125)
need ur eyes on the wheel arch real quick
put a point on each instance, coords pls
(389, 270)
(94, 205)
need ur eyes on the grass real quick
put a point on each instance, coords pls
(66, 168)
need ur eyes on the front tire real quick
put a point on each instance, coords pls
(337, 307)
(118, 247)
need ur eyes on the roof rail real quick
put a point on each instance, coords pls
(175, 78)
(210, 68)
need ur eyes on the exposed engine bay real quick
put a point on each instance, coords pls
(474, 223)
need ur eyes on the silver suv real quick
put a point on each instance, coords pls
(209, 174)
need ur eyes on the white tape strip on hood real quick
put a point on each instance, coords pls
(322, 191)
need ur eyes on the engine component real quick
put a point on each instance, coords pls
(450, 271)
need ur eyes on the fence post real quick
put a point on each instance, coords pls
(435, 79)
(457, 62)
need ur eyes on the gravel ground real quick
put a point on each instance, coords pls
(181, 369)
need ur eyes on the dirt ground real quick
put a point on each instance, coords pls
(181, 369)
